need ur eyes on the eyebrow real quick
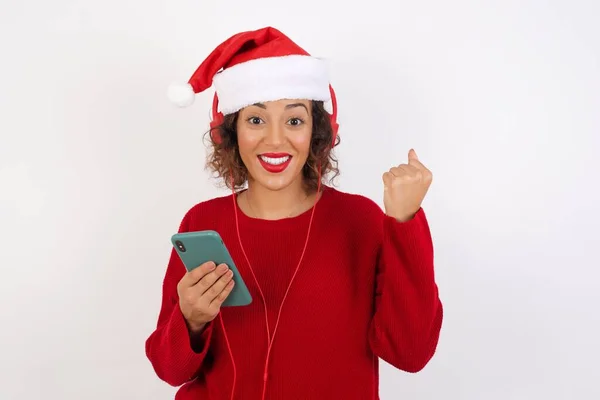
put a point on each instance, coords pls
(261, 105)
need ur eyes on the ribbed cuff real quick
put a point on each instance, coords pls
(413, 228)
(189, 356)
(410, 241)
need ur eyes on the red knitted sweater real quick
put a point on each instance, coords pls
(365, 289)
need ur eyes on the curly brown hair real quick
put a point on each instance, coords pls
(225, 161)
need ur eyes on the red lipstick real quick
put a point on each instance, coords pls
(275, 168)
(275, 155)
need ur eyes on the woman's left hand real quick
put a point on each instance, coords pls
(405, 187)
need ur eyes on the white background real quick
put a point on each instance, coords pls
(500, 99)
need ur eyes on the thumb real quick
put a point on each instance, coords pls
(412, 155)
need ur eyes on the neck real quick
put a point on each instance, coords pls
(263, 203)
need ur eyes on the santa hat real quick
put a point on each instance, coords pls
(256, 66)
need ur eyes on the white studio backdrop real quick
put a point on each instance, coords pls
(500, 99)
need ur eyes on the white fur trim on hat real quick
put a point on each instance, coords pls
(270, 79)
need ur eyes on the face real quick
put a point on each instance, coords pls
(274, 141)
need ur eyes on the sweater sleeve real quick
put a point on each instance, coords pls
(407, 321)
(176, 356)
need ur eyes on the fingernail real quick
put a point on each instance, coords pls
(223, 268)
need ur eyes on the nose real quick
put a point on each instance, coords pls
(274, 135)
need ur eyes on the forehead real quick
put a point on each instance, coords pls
(282, 104)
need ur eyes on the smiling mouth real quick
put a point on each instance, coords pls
(275, 160)
(275, 163)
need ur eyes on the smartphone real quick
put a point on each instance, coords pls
(196, 248)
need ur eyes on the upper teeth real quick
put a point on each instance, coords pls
(275, 161)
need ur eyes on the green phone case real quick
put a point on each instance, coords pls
(196, 248)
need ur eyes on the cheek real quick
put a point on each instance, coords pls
(302, 142)
(246, 143)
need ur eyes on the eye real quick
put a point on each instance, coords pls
(254, 120)
(296, 121)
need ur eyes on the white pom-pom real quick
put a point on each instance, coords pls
(181, 94)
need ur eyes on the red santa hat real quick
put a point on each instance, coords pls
(256, 66)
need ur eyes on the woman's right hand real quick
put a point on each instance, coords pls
(201, 293)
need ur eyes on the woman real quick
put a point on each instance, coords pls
(337, 282)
